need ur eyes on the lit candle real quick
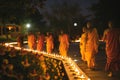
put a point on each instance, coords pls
(82, 76)
(18, 48)
(72, 65)
(6, 44)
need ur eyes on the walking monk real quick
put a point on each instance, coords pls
(83, 41)
(20, 40)
(91, 46)
(112, 41)
(40, 43)
(31, 41)
(49, 43)
(64, 44)
(107, 30)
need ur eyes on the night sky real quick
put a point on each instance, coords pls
(83, 4)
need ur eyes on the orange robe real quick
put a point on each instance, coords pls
(83, 40)
(91, 47)
(31, 41)
(49, 43)
(64, 44)
(113, 50)
(40, 43)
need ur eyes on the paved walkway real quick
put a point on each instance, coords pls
(99, 73)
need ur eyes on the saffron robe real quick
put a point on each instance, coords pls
(83, 40)
(64, 44)
(91, 47)
(49, 43)
(31, 41)
(40, 43)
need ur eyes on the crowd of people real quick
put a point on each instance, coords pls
(89, 43)
(89, 47)
(40, 41)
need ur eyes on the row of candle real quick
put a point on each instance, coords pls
(74, 69)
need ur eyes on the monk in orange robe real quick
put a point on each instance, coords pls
(91, 46)
(40, 41)
(49, 43)
(31, 41)
(83, 40)
(64, 44)
(112, 51)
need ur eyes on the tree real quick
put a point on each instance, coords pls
(63, 14)
(16, 11)
(105, 11)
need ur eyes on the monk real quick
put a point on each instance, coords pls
(83, 41)
(31, 41)
(40, 41)
(112, 41)
(107, 30)
(64, 44)
(20, 40)
(91, 46)
(49, 43)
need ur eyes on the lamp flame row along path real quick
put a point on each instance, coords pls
(72, 69)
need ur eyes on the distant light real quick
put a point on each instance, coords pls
(74, 55)
(28, 25)
(75, 60)
(75, 24)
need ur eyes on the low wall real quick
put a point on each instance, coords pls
(72, 69)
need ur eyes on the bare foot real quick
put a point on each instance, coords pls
(110, 74)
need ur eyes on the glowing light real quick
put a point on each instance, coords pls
(75, 60)
(28, 25)
(18, 48)
(10, 27)
(76, 70)
(75, 24)
(82, 76)
(72, 65)
(6, 44)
